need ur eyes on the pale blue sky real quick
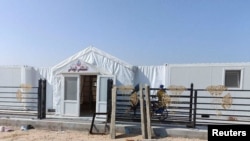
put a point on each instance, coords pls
(43, 33)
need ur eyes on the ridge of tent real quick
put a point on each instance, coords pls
(111, 57)
(93, 50)
(71, 58)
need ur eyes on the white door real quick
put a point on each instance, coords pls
(101, 98)
(70, 96)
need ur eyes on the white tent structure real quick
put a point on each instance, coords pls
(77, 86)
(87, 69)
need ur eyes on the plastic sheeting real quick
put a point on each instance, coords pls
(99, 62)
(153, 76)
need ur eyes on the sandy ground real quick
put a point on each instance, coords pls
(46, 135)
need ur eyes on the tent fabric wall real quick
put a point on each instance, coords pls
(102, 62)
(151, 75)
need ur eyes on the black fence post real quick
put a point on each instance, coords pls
(39, 99)
(43, 100)
(195, 106)
(109, 99)
(191, 102)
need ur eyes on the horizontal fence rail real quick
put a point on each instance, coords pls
(22, 101)
(179, 111)
(179, 107)
(123, 109)
(191, 107)
(18, 101)
(222, 107)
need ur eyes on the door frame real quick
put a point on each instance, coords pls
(76, 102)
(98, 102)
(78, 75)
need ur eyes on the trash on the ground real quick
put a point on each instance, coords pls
(8, 129)
(2, 128)
(23, 128)
(26, 127)
(5, 129)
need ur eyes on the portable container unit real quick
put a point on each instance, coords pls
(231, 79)
(16, 84)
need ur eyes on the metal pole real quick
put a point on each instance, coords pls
(191, 102)
(109, 99)
(195, 106)
(39, 99)
(43, 99)
(113, 114)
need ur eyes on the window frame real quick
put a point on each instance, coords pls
(66, 96)
(241, 78)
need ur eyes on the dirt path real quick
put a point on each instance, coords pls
(46, 135)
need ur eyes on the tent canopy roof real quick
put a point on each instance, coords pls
(90, 54)
(101, 62)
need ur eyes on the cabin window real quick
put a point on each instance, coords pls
(233, 78)
(70, 88)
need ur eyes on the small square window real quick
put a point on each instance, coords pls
(232, 78)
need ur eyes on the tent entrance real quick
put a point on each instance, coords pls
(87, 95)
